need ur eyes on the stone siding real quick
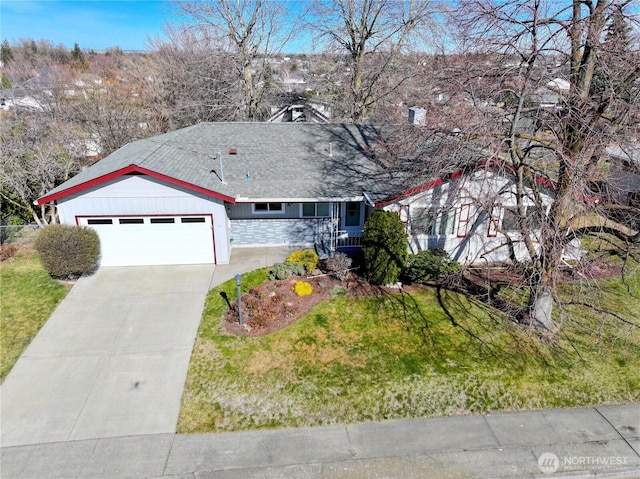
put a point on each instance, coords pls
(255, 232)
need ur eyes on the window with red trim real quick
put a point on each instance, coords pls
(494, 221)
(463, 220)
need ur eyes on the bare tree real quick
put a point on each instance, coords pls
(553, 49)
(189, 79)
(253, 31)
(373, 34)
(109, 106)
(37, 155)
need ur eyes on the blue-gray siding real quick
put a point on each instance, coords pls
(277, 231)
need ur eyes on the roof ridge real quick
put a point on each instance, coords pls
(160, 145)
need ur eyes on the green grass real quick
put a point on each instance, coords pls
(28, 295)
(400, 355)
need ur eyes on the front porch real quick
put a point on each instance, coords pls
(325, 234)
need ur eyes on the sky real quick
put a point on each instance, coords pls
(92, 24)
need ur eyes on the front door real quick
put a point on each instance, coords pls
(352, 216)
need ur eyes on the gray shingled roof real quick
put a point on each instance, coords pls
(273, 160)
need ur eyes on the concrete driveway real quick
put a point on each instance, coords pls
(112, 359)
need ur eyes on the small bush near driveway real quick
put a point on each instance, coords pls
(286, 270)
(304, 257)
(68, 251)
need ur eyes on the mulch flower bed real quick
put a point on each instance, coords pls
(274, 305)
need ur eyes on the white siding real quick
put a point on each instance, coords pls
(141, 195)
(475, 193)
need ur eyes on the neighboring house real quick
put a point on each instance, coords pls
(300, 108)
(624, 175)
(191, 195)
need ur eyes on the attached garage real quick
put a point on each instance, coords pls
(147, 219)
(149, 240)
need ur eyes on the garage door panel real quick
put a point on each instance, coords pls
(154, 240)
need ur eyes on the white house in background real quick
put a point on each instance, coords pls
(192, 195)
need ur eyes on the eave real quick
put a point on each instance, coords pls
(125, 171)
(493, 162)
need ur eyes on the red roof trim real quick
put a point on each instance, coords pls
(128, 170)
(456, 174)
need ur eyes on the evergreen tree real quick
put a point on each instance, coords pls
(385, 247)
(613, 64)
(6, 54)
(77, 56)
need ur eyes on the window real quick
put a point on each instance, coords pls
(433, 221)
(155, 221)
(422, 221)
(315, 209)
(494, 221)
(445, 222)
(263, 208)
(352, 214)
(100, 221)
(131, 221)
(194, 219)
(463, 222)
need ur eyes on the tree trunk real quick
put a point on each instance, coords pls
(541, 306)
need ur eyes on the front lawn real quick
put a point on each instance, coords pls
(28, 296)
(401, 355)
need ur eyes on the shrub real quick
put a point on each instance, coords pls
(337, 291)
(305, 257)
(286, 270)
(8, 251)
(385, 247)
(338, 265)
(302, 288)
(430, 264)
(68, 251)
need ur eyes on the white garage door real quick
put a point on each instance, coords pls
(147, 240)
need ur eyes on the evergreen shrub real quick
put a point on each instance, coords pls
(430, 264)
(302, 288)
(68, 251)
(305, 257)
(385, 247)
(286, 270)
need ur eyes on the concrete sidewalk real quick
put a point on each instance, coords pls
(574, 443)
(244, 259)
